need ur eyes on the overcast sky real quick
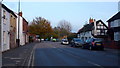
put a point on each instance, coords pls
(77, 13)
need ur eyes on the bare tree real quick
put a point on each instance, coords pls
(65, 28)
(65, 25)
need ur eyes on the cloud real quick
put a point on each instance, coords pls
(62, 0)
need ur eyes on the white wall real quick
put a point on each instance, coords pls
(21, 34)
(5, 30)
(27, 38)
(85, 35)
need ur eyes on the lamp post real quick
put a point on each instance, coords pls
(18, 40)
(0, 25)
(1, 33)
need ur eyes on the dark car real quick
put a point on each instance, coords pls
(93, 44)
(76, 42)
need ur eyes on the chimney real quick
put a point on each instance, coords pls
(20, 14)
(91, 20)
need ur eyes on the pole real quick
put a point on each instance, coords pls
(0, 26)
(18, 24)
(1, 33)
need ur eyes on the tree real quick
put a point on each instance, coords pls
(64, 28)
(41, 27)
(71, 36)
(65, 25)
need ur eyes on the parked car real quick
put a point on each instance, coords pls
(54, 40)
(64, 42)
(76, 42)
(93, 43)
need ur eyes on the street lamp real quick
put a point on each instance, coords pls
(18, 40)
(0, 33)
(0, 25)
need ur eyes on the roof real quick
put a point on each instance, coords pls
(7, 9)
(89, 27)
(25, 20)
(115, 17)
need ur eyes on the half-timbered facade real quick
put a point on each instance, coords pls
(96, 29)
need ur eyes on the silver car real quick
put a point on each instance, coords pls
(64, 42)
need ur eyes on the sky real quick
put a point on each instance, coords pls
(77, 13)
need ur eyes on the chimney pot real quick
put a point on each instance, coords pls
(20, 14)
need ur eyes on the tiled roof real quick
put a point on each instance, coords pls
(115, 17)
(87, 27)
(7, 9)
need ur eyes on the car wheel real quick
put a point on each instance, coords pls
(82, 47)
(71, 45)
(102, 49)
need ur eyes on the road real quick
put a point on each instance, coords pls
(55, 54)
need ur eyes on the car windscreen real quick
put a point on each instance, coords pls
(98, 40)
(78, 40)
(65, 40)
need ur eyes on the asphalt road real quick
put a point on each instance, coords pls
(55, 54)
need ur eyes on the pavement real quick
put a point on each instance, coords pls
(20, 56)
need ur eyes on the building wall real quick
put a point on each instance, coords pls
(115, 23)
(25, 30)
(12, 31)
(85, 35)
(21, 34)
(5, 30)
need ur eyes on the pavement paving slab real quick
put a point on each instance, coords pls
(17, 56)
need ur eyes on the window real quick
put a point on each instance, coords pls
(4, 16)
(112, 24)
(101, 29)
(4, 37)
(118, 22)
(117, 36)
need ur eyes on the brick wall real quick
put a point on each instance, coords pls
(112, 44)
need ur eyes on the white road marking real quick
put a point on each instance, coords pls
(95, 64)
(15, 58)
